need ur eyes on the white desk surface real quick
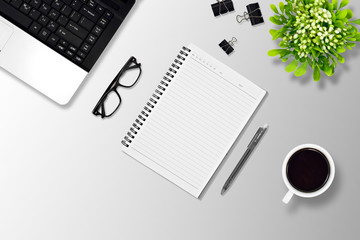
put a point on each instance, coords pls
(63, 176)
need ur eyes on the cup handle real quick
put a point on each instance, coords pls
(287, 197)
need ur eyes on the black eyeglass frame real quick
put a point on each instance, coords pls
(113, 88)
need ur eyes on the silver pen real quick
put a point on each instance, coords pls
(255, 140)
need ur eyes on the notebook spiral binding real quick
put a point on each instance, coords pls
(155, 97)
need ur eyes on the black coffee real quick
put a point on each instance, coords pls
(308, 170)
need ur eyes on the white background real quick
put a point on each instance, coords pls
(63, 175)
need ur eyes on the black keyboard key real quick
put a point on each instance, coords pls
(44, 34)
(26, 1)
(35, 28)
(16, 3)
(76, 29)
(17, 16)
(100, 9)
(25, 8)
(97, 31)
(44, 9)
(75, 16)
(91, 39)
(85, 48)
(81, 54)
(63, 42)
(78, 59)
(69, 37)
(53, 15)
(8, 1)
(57, 4)
(66, 11)
(49, 2)
(108, 14)
(86, 23)
(103, 22)
(63, 20)
(53, 39)
(89, 13)
(52, 26)
(34, 14)
(43, 20)
(76, 4)
(70, 53)
(35, 3)
(72, 48)
(67, 2)
(60, 47)
(91, 4)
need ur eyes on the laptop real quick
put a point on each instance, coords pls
(53, 44)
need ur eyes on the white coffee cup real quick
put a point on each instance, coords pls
(292, 190)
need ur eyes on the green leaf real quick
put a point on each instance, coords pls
(339, 24)
(340, 58)
(301, 70)
(281, 6)
(358, 37)
(272, 32)
(292, 66)
(310, 62)
(356, 21)
(317, 49)
(285, 54)
(274, 8)
(278, 34)
(340, 50)
(283, 44)
(341, 14)
(275, 52)
(316, 74)
(351, 44)
(329, 7)
(335, 4)
(328, 70)
(275, 21)
(350, 14)
(344, 3)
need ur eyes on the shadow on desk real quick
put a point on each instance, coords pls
(307, 78)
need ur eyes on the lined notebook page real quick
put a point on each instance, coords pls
(195, 122)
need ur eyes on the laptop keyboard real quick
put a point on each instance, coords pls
(71, 27)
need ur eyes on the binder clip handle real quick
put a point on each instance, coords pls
(232, 41)
(246, 16)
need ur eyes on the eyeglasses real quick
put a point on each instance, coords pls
(111, 100)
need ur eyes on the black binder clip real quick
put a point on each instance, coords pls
(253, 13)
(227, 46)
(222, 6)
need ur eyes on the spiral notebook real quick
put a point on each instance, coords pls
(192, 119)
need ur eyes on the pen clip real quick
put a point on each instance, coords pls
(255, 137)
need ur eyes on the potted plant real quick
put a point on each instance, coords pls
(313, 33)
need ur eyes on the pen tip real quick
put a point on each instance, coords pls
(223, 191)
(266, 126)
